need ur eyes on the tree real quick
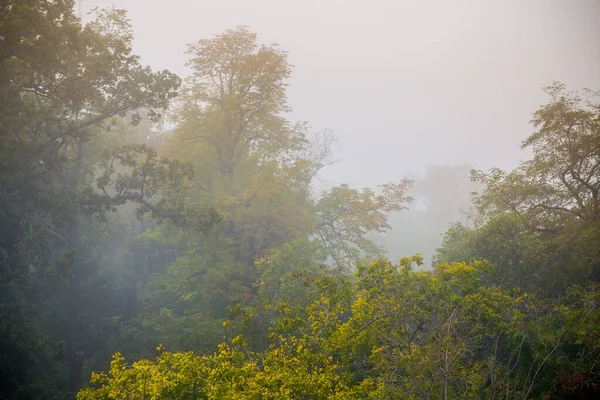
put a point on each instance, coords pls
(233, 102)
(556, 192)
(253, 164)
(562, 180)
(538, 224)
(62, 86)
(344, 216)
(442, 197)
(259, 169)
(388, 333)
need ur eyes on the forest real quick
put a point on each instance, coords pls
(166, 238)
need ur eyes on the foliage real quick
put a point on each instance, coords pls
(538, 224)
(561, 182)
(556, 192)
(393, 333)
(344, 216)
(65, 90)
(258, 168)
(207, 235)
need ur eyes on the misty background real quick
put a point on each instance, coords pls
(195, 239)
(403, 85)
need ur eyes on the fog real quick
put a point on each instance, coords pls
(402, 84)
(215, 199)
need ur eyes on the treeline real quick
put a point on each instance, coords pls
(177, 223)
(386, 333)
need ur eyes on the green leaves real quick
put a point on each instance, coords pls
(232, 103)
(537, 222)
(562, 181)
(344, 216)
(394, 333)
(138, 174)
(62, 86)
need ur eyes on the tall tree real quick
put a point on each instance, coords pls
(233, 102)
(540, 223)
(62, 86)
(561, 183)
(259, 169)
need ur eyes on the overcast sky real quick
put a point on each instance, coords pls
(403, 84)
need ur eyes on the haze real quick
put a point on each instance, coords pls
(195, 239)
(402, 84)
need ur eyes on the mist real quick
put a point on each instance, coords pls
(403, 84)
(318, 199)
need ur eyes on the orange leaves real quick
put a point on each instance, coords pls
(344, 216)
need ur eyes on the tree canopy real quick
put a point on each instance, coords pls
(167, 237)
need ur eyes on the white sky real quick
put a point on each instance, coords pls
(403, 84)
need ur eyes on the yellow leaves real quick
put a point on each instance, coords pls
(361, 304)
(289, 370)
(455, 269)
(460, 278)
(399, 334)
(118, 363)
(239, 341)
(99, 378)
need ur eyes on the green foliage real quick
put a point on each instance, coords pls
(560, 183)
(65, 91)
(115, 237)
(344, 216)
(538, 224)
(392, 333)
(519, 255)
(258, 169)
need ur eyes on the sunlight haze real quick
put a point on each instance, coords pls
(403, 84)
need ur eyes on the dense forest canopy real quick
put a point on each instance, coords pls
(167, 239)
